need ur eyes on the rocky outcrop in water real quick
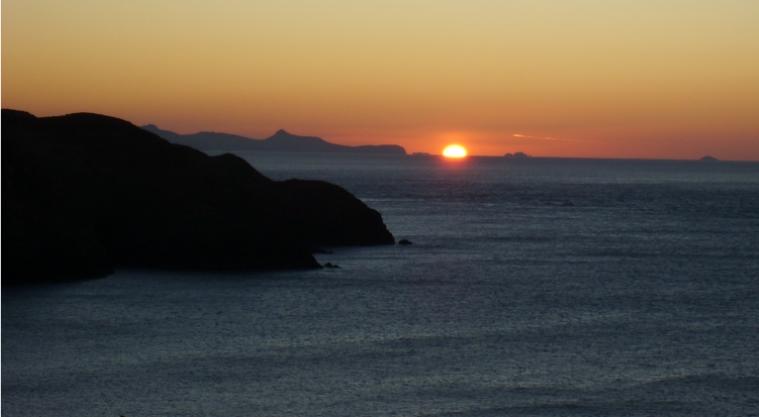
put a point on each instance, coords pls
(84, 193)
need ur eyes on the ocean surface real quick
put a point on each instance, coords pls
(543, 287)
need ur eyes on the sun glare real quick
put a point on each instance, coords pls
(454, 151)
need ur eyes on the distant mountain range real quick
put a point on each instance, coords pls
(281, 141)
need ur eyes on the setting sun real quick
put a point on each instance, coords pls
(455, 151)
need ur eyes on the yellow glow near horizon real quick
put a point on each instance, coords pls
(616, 78)
(455, 151)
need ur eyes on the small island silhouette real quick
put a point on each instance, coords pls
(517, 155)
(708, 158)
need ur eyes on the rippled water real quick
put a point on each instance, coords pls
(535, 288)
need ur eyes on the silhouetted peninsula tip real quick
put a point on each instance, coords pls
(85, 193)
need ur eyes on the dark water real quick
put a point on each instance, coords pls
(537, 288)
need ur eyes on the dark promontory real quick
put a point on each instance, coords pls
(84, 193)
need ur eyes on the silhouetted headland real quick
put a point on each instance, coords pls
(708, 158)
(84, 193)
(281, 141)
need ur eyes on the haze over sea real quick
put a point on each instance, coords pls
(544, 287)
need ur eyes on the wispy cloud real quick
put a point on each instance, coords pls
(522, 136)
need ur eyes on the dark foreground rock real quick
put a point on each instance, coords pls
(84, 193)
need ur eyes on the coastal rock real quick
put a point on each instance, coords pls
(404, 242)
(84, 193)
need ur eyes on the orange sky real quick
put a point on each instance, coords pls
(599, 78)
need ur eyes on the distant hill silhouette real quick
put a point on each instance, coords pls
(84, 193)
(281, 141)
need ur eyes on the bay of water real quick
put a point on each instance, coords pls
(543, 287)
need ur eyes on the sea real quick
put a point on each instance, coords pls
(538, 287)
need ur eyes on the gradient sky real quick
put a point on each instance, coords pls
(598, 78)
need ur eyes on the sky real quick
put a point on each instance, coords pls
(588, 78)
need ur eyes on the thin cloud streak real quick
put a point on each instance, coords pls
(521, 136)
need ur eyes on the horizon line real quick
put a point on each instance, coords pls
(391, 143)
